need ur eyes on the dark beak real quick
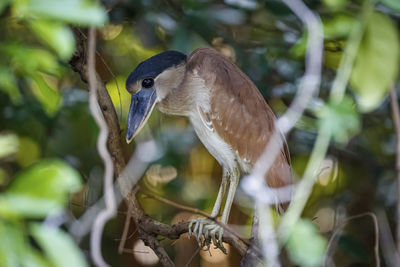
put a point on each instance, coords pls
(142, 104)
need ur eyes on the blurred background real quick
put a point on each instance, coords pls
(44, 115)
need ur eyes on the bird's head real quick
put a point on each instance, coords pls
(149, 83)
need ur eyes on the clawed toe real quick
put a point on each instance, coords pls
(209, 230)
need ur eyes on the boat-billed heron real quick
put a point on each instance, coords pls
(228, 113)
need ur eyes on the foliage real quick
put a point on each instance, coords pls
(305, 245)
(42, 189)
(340, 120)
(48, 20)
(377, 62)
(47, 136)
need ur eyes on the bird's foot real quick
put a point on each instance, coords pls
(211, 231)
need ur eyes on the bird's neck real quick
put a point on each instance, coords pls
(178, 103)
(175, 99)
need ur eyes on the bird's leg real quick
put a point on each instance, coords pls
(202, 226)
(222, 188)
(211, 231)
(234, 180)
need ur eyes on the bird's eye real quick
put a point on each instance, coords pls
(147, 83)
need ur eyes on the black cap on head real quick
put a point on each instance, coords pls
(155, 65)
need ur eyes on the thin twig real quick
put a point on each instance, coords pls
(174, 204)
(192, 257)
(125, 231)
(394, 103)
(110, 210)
(343, 224)
(87, 206)
(131, 251)
(128, 237)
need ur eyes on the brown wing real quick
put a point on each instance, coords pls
(239, 112)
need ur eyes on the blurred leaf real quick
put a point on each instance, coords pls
(8, 84)
(11, 245)
(392, 4)
(338, 26)
(71, 11)
(377, 62)
(49, 97)
(341, 120)
(3, 176)
(28, 152)
(31, 258)
(298, 50)
(4, 4)
(120, 97)
(58, 246)
(333, 52)
(335, 4)
(17, 205)
(29, 60)
(8, 145)
(56, 35)
(306, 247)
(42, 188)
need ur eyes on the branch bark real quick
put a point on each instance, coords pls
(148, 228)
(396, 121)
(252, 257)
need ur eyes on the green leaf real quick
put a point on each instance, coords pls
(31, 258)
(306, 247)
(82, 12)
(8, 84)
(299, 48)
(12, 244)
(335, 4)
(56, 35)
(392, 4)
(41, 188)
(28, 152)
(333, 52)
(49, 97)
(338, 26)
(377, 62)
(341, 120)
(28, 60)
(58, 246)
(8, 144)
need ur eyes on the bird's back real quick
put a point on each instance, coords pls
(239, 113)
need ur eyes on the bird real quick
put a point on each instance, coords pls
(228, 113)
